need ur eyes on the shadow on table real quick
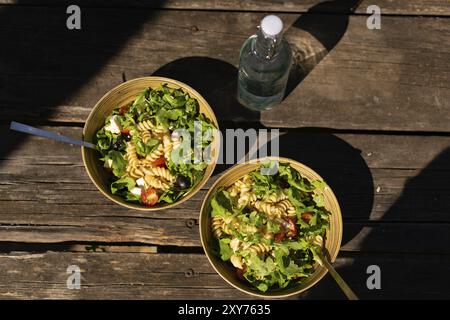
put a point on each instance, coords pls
(42, 63)
(345, 170)
(216, 81)
(413, 251)
(314, 34)
(341, 165)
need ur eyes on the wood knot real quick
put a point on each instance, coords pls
(190, 223)
(190, 273)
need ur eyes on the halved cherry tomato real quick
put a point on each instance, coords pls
(149, 197)
(280, 236)
(306, 216)
(125, 131)
(160, 162)
(123, 109)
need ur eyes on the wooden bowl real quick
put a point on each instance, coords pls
(121, 95)
(227, 272)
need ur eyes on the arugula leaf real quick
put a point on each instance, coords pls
(319, 199)
(262, 287)
(119, 164)
(221, 204)
(225, 251)
(123, 183)
(163, 115)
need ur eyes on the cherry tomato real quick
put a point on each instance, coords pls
(291, 228)
(123, 109)
(160, 162)
(125, 133)
(306, 216)
(149, 197)
(280, 236)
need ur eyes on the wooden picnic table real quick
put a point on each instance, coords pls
(370, 112)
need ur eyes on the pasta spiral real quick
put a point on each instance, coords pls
(237, 261)
(145, 136)
(260, 248)
(245, 198)
(156, 182)
(277, 197)
(160, 172)
(216, 226)
(271, 210)
(157, 153)
(168, 146)
(286, 206)
(243, 189)
(220, 227)
(131, 155)
(135, 172)
(233, 190)
(148, 125)
(176, 140)
(244, 186)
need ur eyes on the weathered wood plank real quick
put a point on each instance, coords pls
(427, 7)
(188, 276)
(384, 237)
(385, 198)
(386, 79)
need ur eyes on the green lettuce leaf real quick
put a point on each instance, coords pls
(119, 164)
(123, 183)
(225, 251)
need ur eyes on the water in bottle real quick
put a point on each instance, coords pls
(265, 60)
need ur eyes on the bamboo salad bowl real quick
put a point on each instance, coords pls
(124, 94)
(227, 272)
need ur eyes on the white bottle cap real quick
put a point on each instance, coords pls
(271, 25)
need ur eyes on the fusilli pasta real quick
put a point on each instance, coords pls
(148, 125)
(160, 172)
(156, 182)
(145, 136)
(131, 155)
(271, 210)
(157, 153)
(260, 248)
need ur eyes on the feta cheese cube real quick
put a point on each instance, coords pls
(108, 164)
(140, 182)
(114, 125)
(136, 191)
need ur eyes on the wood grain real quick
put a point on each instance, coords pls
(189, 276)
(428, 7)
(389, 192)
(364, 80)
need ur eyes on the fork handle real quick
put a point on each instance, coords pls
(342, 284)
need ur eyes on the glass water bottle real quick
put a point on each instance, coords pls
(265, 60)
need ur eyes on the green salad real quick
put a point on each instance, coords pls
(155, 146)
(267, 226)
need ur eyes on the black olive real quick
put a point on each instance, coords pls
(183, 182)
(126, 136)
(119, 144)
(246, 210)
(284, 184)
